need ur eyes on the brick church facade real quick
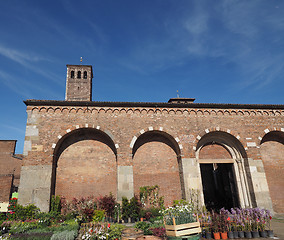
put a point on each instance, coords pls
(231, 154)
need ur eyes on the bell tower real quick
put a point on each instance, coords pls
(79, 83)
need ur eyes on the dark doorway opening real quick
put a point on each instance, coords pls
(219, 186)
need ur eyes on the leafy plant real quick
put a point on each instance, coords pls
(107, 203)
(145, 226)
(115, 231)
(159, 232)
(125, 208)
(134, 208)
(149, 196)
(23, 212)
(181, 214)
(55, 205)
(99, 215)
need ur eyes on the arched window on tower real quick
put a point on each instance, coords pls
(79, 74)
(72, 74)
(85, 74)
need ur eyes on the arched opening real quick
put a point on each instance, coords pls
(72, 74)
(85, 75)
(156, 161)
(272, 154)
(84, 164)
(222, 165)
(79, 74)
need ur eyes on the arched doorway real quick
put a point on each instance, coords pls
(272, 154)
(156, 161)
(222, 165)
(84, 164)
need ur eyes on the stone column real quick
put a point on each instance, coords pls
(35, 186)
(125, 187)
(192, 179)
(260, 185)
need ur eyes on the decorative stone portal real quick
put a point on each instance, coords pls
(224, 177)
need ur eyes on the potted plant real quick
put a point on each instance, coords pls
(125, 209)
(134, 209)
(216, 225)
(223, 218)
(268, 223)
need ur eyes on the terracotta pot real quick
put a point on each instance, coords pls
(224, 235)
(217, 235)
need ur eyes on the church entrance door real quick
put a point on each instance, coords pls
(219, 186)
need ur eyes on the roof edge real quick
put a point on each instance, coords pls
(33, 102)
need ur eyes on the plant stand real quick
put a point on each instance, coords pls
(181, 230)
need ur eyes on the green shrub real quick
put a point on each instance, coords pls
(23, 212)
(55, 205)
(134, 208)
(65, 235)
(32, 236)
(125, 208)
(99, 215)
(21, 227)
(115, 231)
(145, 226)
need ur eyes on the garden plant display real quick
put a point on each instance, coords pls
(96, 218)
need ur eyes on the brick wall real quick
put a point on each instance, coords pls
(10, 167)
(5, 187)
(153, 162)
(214, 151)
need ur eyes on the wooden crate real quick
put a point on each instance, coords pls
(183, 229)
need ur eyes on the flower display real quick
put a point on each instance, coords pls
(180, 213)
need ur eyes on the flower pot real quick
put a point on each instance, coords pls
(263, 234)
(224, 235)
(270, 233)
(241, 234)
(236, 234)
(217, 235)
(248, 234)
(208, 235)
(230, 235)
(255, 234)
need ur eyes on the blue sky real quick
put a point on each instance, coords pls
(214, 51)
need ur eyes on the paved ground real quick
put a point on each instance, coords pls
(278, 226)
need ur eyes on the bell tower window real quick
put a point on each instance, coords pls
(72, 74)
(79, 74)
(85, 75)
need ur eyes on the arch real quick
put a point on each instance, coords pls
(35, 109)
(84, 160)
(85, 75)
(272, 155)
(225, 150)
(72, 74)
(79, 74)
(157, 161)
